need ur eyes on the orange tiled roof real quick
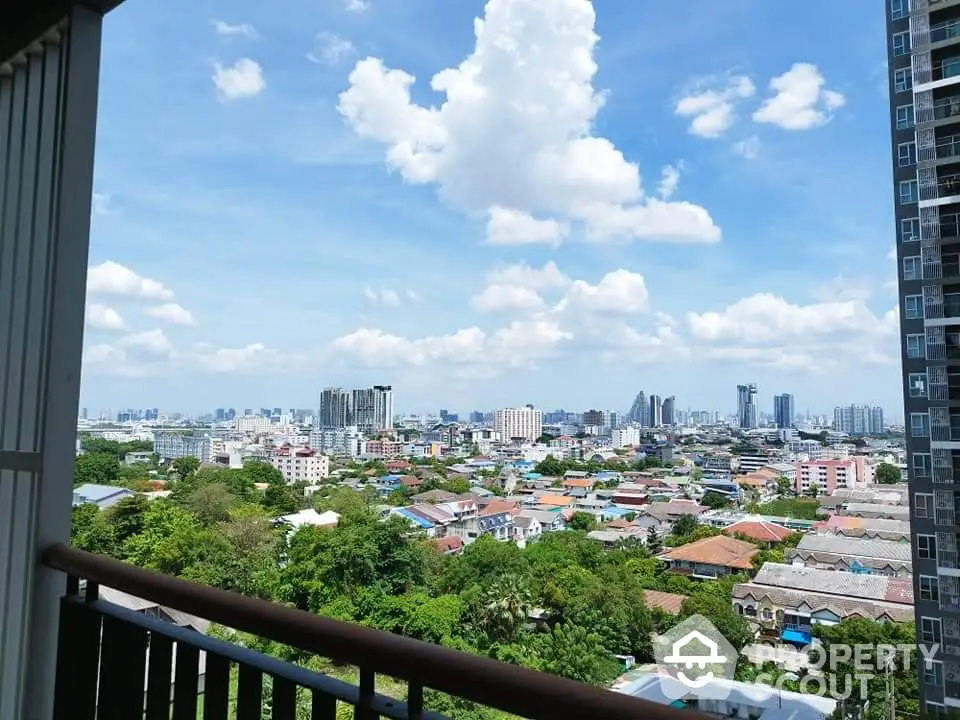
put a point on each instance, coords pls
(668, 602)
(718, 550)
(578, 482)
(758, 530)
(555, 500)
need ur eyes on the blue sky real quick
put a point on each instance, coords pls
(589, 200)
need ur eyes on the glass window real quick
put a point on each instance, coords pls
(903, 80)
(915, 346)
(934, 709)
(930, 630)
(909, 229)
(929, 588)
(907, 154)
(912, 268)
(933, 673)
(901, 43)
(904, 117)
(919, 425)
(926, 547)
(913, 306)
(908, 192)
(917, 384)
(923, 506)
(899, 9)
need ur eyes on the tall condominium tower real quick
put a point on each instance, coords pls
(656, 411)
(373, 408)
(783, 410)
(747, 415)
(334, 408)
(669, 410)
(923, 58)
(525, 424)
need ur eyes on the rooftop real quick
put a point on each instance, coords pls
(717, 550)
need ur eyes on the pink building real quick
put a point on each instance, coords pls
(826, 475)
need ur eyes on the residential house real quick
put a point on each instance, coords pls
(309, 518)
(526, 529)
(499, 526)
(711, 557)
(103, 496)
(673, 510)
(550, 521)
(449, 545)
(670, 603)
(853, 554)
(865, 527)
(758, 530)
(875, 510)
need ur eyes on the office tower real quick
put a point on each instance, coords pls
(670, 411)
(639, 411)
(747, 416)
(924, 88)
(858, 419)
(476, 418)
(334, 408)
(655, 414)
(593, 418)
(524, 424)
(373, 408)
(783, 410)
(383, 407)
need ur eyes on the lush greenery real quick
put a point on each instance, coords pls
(887, 474)
(552, 467)
(799, 508)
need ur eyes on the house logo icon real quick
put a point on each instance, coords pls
(693, 658)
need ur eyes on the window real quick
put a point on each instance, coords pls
(904, 117)
(903, 80)
(915, 346)
(912, 305)
(933, 673)
(901, 43)
(926, 547)
(909, 229)
(899, 9)
(912, 268)
(907, 154)
(930, 630)
(917, 385)
(929, 588)
(922, 465)
(919, 425)
(923, 506)
(908, 192)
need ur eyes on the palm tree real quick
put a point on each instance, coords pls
(504, 608)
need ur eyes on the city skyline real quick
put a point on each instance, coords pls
(473, 270)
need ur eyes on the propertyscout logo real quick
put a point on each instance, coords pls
(693, 658)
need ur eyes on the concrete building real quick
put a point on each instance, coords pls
(335, 409)
(170, 446)
(858, 419)
(783, 412)
(301, 465)
(826, 475)
(747, 414)
(656, 411)
(524, 423)
(669, 411)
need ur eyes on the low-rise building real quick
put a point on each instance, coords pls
(711, 557)
(875, 510)
(825, 475)
(853, 554)
(103, 496)
(865, 527)
(301, 465)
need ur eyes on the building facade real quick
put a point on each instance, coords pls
(923, 58)
(334, 408)
(669, 411)
(525, 424)
(858, 419)
(170, 446)
(783, 412)
(656, 411)
(747, 415)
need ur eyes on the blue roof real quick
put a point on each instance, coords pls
(414, 518)
(614, 511)
(95, 493)
(390, 478)
(532, 475)
(605, 474)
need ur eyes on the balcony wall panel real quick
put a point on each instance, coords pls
(48, 96)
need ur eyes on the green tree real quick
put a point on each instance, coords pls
(784, 486)
(210, 503)
(654, 546)
(572, 652)
(258, 472)
(582, 521)
(887, 474)
(282, 499)
(715, 500)
(92, 531)
(185, 466)
(684, 525)
(96, 468)
(550, 466)
(502, 609)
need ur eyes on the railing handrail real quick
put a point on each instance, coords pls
(506, 687)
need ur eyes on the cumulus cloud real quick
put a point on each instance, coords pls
(800, 100)
(152, 342)
(548, 276)
(243, 79)
(711, 106)
(330, 49)
(507, 298)
(669, 181)
(172, 313)
(513, 139)
(111, 278)
(356, 6)
(618, 292)
(102, 317)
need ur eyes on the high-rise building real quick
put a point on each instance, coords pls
(670, 410)
(858, 419)
(524, 423)
(593, 417)
(783, 410)
(640, 410)
(372, 408)
(656, 411)
(334, 408)
(747, 413)
(924, 90)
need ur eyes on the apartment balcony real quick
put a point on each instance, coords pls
(944, 31)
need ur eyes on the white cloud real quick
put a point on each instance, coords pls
(356, 6)
(102, 317)
(103, 354)
(172, 313)
(507, 298)
(748, 147)
(712, 109)
(387, 297)
(800, 101)
(153, 342)
(330, 49)
(413, 295)
(226, 29)
(525, 276)
(102, 204)
(514, 227)
(669, 180)
(252, 358)
(618, 292)
(514, 132)
(110, 278)
(243, 79)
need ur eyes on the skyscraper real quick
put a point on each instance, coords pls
(639, 411)
(747, 415)
(670, 411)
(924, 90)
(783, 410)
(334, 408)
(523, 424)
(656, 411)
(372, 408)
(858, 419)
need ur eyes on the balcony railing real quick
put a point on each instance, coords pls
(945, 31)
(946, 108)
(116, 663)
(949, 67)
